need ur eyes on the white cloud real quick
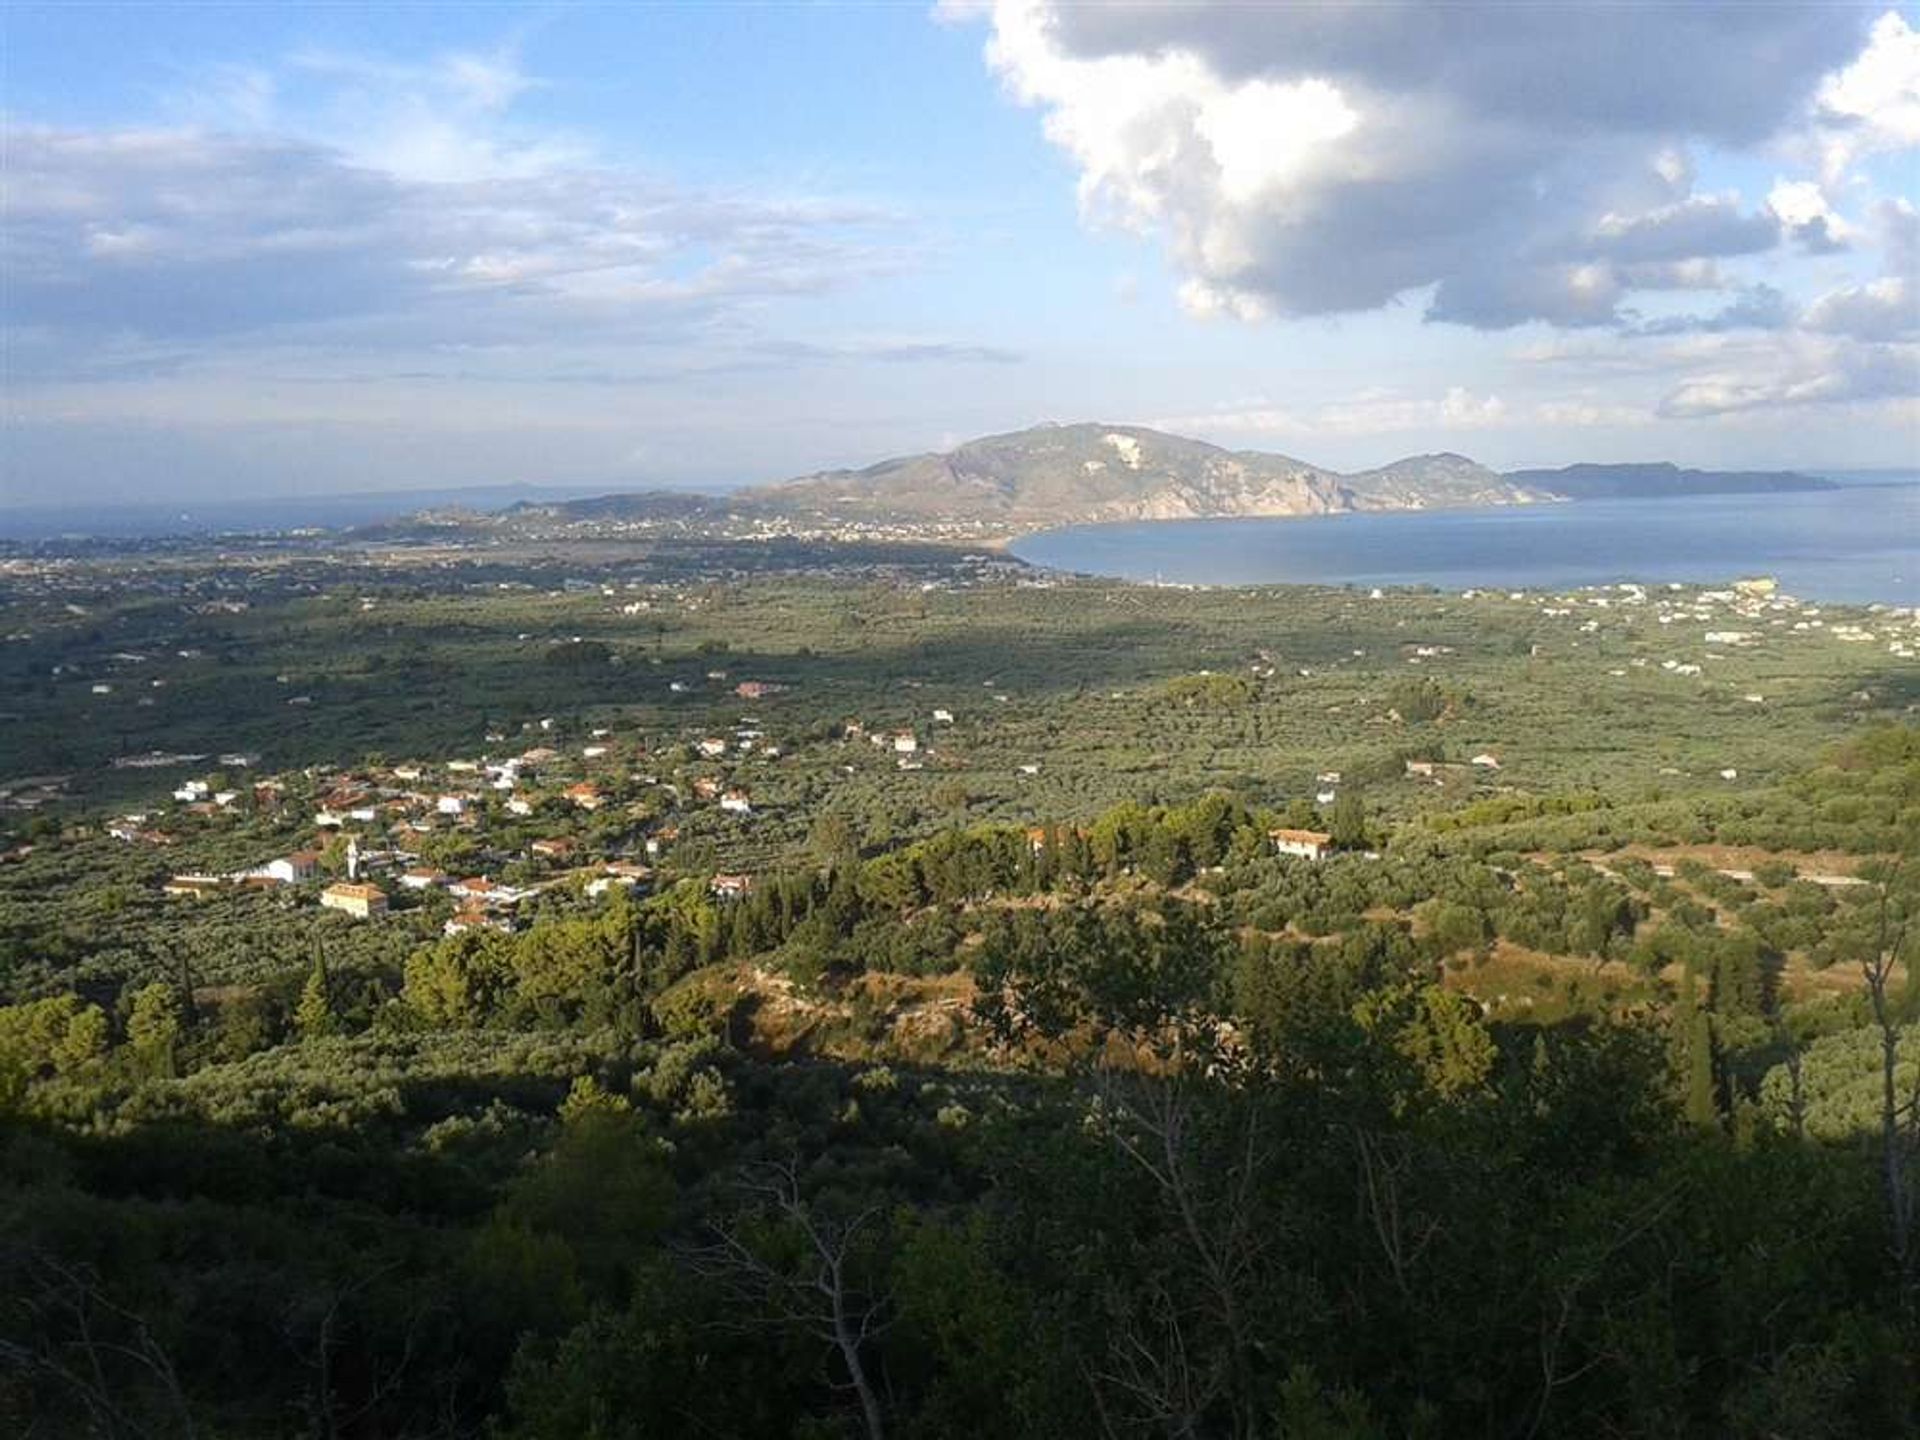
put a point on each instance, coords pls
(1883, 309)
(1460, 409)
(1872, 106)
(182, 233)
(1794, 373)
(354, 205)
(1886, 308)
(1802, 209)
(1589, 415)
(1527, 162)
(1379, 411)
(1694, 229)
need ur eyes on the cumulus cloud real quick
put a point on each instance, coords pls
(1886, 308)
(1883, 309)
(1807, 217)
(1699, 227)
(1872, 106)
(1518, 162)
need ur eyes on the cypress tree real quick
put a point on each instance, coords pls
(1693, 1031)
(314, 1017)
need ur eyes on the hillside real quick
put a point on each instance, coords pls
(1420, 481)
(1056, 474)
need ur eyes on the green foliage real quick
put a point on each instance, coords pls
(1217, 692)
(1348, 822)
(61, 1035)
(154, 1027)
(314, 1016)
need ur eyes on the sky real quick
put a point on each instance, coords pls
(265, 250)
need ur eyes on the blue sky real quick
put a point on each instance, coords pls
(262, 249)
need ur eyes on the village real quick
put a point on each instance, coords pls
(606, 812)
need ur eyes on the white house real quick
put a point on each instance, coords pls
(292, 869)
(1307, 844)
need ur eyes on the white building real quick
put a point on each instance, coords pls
(1307, 844)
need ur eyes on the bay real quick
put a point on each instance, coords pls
(1856, 544)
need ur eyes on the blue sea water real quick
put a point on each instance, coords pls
(122, 520)
(1860, 543)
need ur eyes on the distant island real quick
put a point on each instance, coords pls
(1661, 481)
(1088, 473)
(1055, 475)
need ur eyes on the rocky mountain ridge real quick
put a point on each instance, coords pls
(1081, 473)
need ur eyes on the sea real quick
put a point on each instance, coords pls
(1857, 544)
(254, 515)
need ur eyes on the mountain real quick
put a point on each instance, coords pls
(1660, 481)
(1061, 474)
(1420, 481)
